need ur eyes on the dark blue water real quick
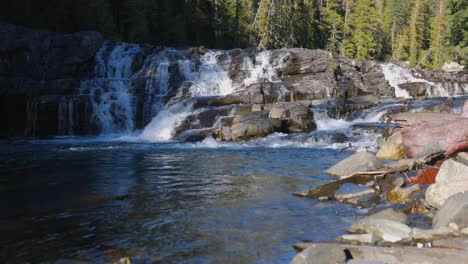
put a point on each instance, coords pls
(164, 203)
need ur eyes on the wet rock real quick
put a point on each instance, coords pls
(328, 190)
(338, 253)
(359, 161)
(392, 147)
(387, 214)
(446, 134)
(388, 230)
(454, 210)
(249, 126)
(416, 89)
(351, 191)
(424, 176)
(402, 195)
(360, 238)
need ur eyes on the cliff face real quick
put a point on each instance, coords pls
(38, 68)
(53, 84)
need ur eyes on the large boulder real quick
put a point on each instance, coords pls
(452, 170)
(451, 179)
(446, 134)
(465, 110)
(359, 161)
(454, 210)
(253, 125)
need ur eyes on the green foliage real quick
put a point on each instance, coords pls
(425, 32)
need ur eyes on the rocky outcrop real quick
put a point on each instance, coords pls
(75, 84)
(38, 69)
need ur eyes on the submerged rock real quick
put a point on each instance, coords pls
(392, 147)
(359, 161)
(351, 191)
(402, 195)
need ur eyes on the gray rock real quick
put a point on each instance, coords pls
(452, 243)
(361, 238)
(462, 157)
(388, 214)
(359, 161)
(416, 89)
(431, 234)
(351, 191)
(438, 193)
(388, 230)
(336, 253)
(454, 210)
(452, 170)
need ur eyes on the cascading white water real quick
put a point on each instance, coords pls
(161, 128)
(396, 75)
(263, 69)
(111, 92)
(373, 115)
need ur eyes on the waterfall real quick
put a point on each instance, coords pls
(372, 115)
(397, 75)
(111, 90)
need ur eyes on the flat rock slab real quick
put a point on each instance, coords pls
(453, 243)
(454, 210)
(359, 161)
(350, 191)
(408, 118)
(388, 214)
(387, 230)
(339, 253)
(360, 238)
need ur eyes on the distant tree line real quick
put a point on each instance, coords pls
(425, 32)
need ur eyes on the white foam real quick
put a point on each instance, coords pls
(162, 127)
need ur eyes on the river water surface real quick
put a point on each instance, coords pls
(86, 199)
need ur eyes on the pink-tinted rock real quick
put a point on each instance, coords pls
(447, 135)
(465, 109)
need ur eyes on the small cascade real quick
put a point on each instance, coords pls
(372, 115)
(162, 127)
(262, 69)
(111, 92)
(397, 75)
(209, 78)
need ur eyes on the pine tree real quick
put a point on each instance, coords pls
(333, 25)
(362, 29)
(438, 39)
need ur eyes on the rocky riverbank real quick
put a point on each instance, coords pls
(416, 191)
